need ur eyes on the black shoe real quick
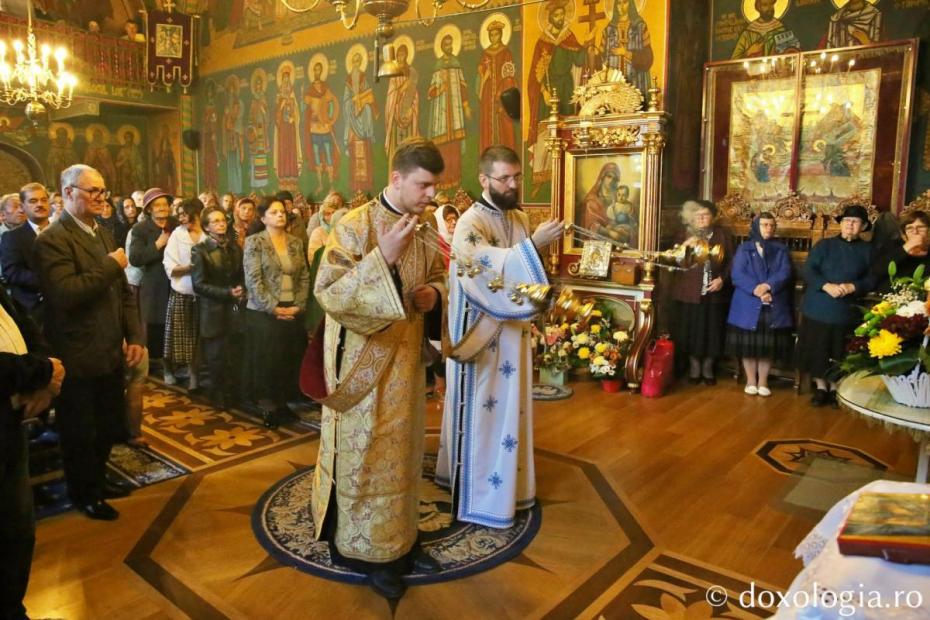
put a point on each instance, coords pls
(831, 399)
(114, 490)
(820, 398)
(710, 381)
(270, 419)
(694, 380)
(99, 510)
(387, 583)
(285, 414)
(425, 564)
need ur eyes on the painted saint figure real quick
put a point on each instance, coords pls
(287, 158)
(402, 112)
(857, 23)
(449, 107)
(496, 73)
(320, 118)
(98, 154)
(61, 152)
(209, 129)
(129, 166)
(257, 132)
(358, 103)
(164, 165)
(557, 64)
(626, 45)
(760, 37)
(233, 149)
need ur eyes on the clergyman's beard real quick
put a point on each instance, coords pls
(507, 201)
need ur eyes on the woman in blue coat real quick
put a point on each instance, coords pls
(759, 323)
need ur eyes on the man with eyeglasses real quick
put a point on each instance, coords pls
(486, 447)
(92, 325)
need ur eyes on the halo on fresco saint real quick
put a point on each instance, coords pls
(104, 132)
(54, 127)
(136, 135)
(609, 7)
(542, 19)
(841, 3)
(405, 40)
(320, 58)
(455, 33)
(358, 48)
(286, 67)
(751, 14)
(232, 83)
(505, 35)
(258, 74)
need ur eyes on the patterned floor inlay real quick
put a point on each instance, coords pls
(794, 456)
(196, 435)
(283, 525)
(673, 588)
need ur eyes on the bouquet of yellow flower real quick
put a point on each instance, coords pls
(891, 339)
(609, 353)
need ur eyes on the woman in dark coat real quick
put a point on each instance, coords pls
(907, 253)
(836, 275)
(216, 272)
(759, 323)
(700, 296)
(147, 252)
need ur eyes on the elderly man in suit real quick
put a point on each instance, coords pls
(91, 323)
(16, 250)
(28, 381)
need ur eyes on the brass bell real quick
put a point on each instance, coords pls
(496, 284)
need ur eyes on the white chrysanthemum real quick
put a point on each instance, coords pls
(913, 308)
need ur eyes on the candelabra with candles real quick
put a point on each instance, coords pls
(31, 79)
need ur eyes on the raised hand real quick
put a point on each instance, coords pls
(546, 233)
(120, 257)
(394, 240)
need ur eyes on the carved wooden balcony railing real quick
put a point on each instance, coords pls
(96, 59)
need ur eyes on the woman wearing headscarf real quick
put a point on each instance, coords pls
(701, 295)
(447, 216)
(836, 275)
(759, 323)
(318, 236)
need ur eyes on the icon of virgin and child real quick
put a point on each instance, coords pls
(607, 209)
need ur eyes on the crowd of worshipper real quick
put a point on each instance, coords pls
(222, 316)
(221, 296)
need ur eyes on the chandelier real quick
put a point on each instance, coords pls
(30, 77)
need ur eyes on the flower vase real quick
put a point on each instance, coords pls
(551, 377)
(912, 389)
(611, 385)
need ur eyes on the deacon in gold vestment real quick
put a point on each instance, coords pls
(376, 280)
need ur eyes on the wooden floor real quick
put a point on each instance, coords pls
(630, 487)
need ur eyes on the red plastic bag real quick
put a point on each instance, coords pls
(659, 370)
